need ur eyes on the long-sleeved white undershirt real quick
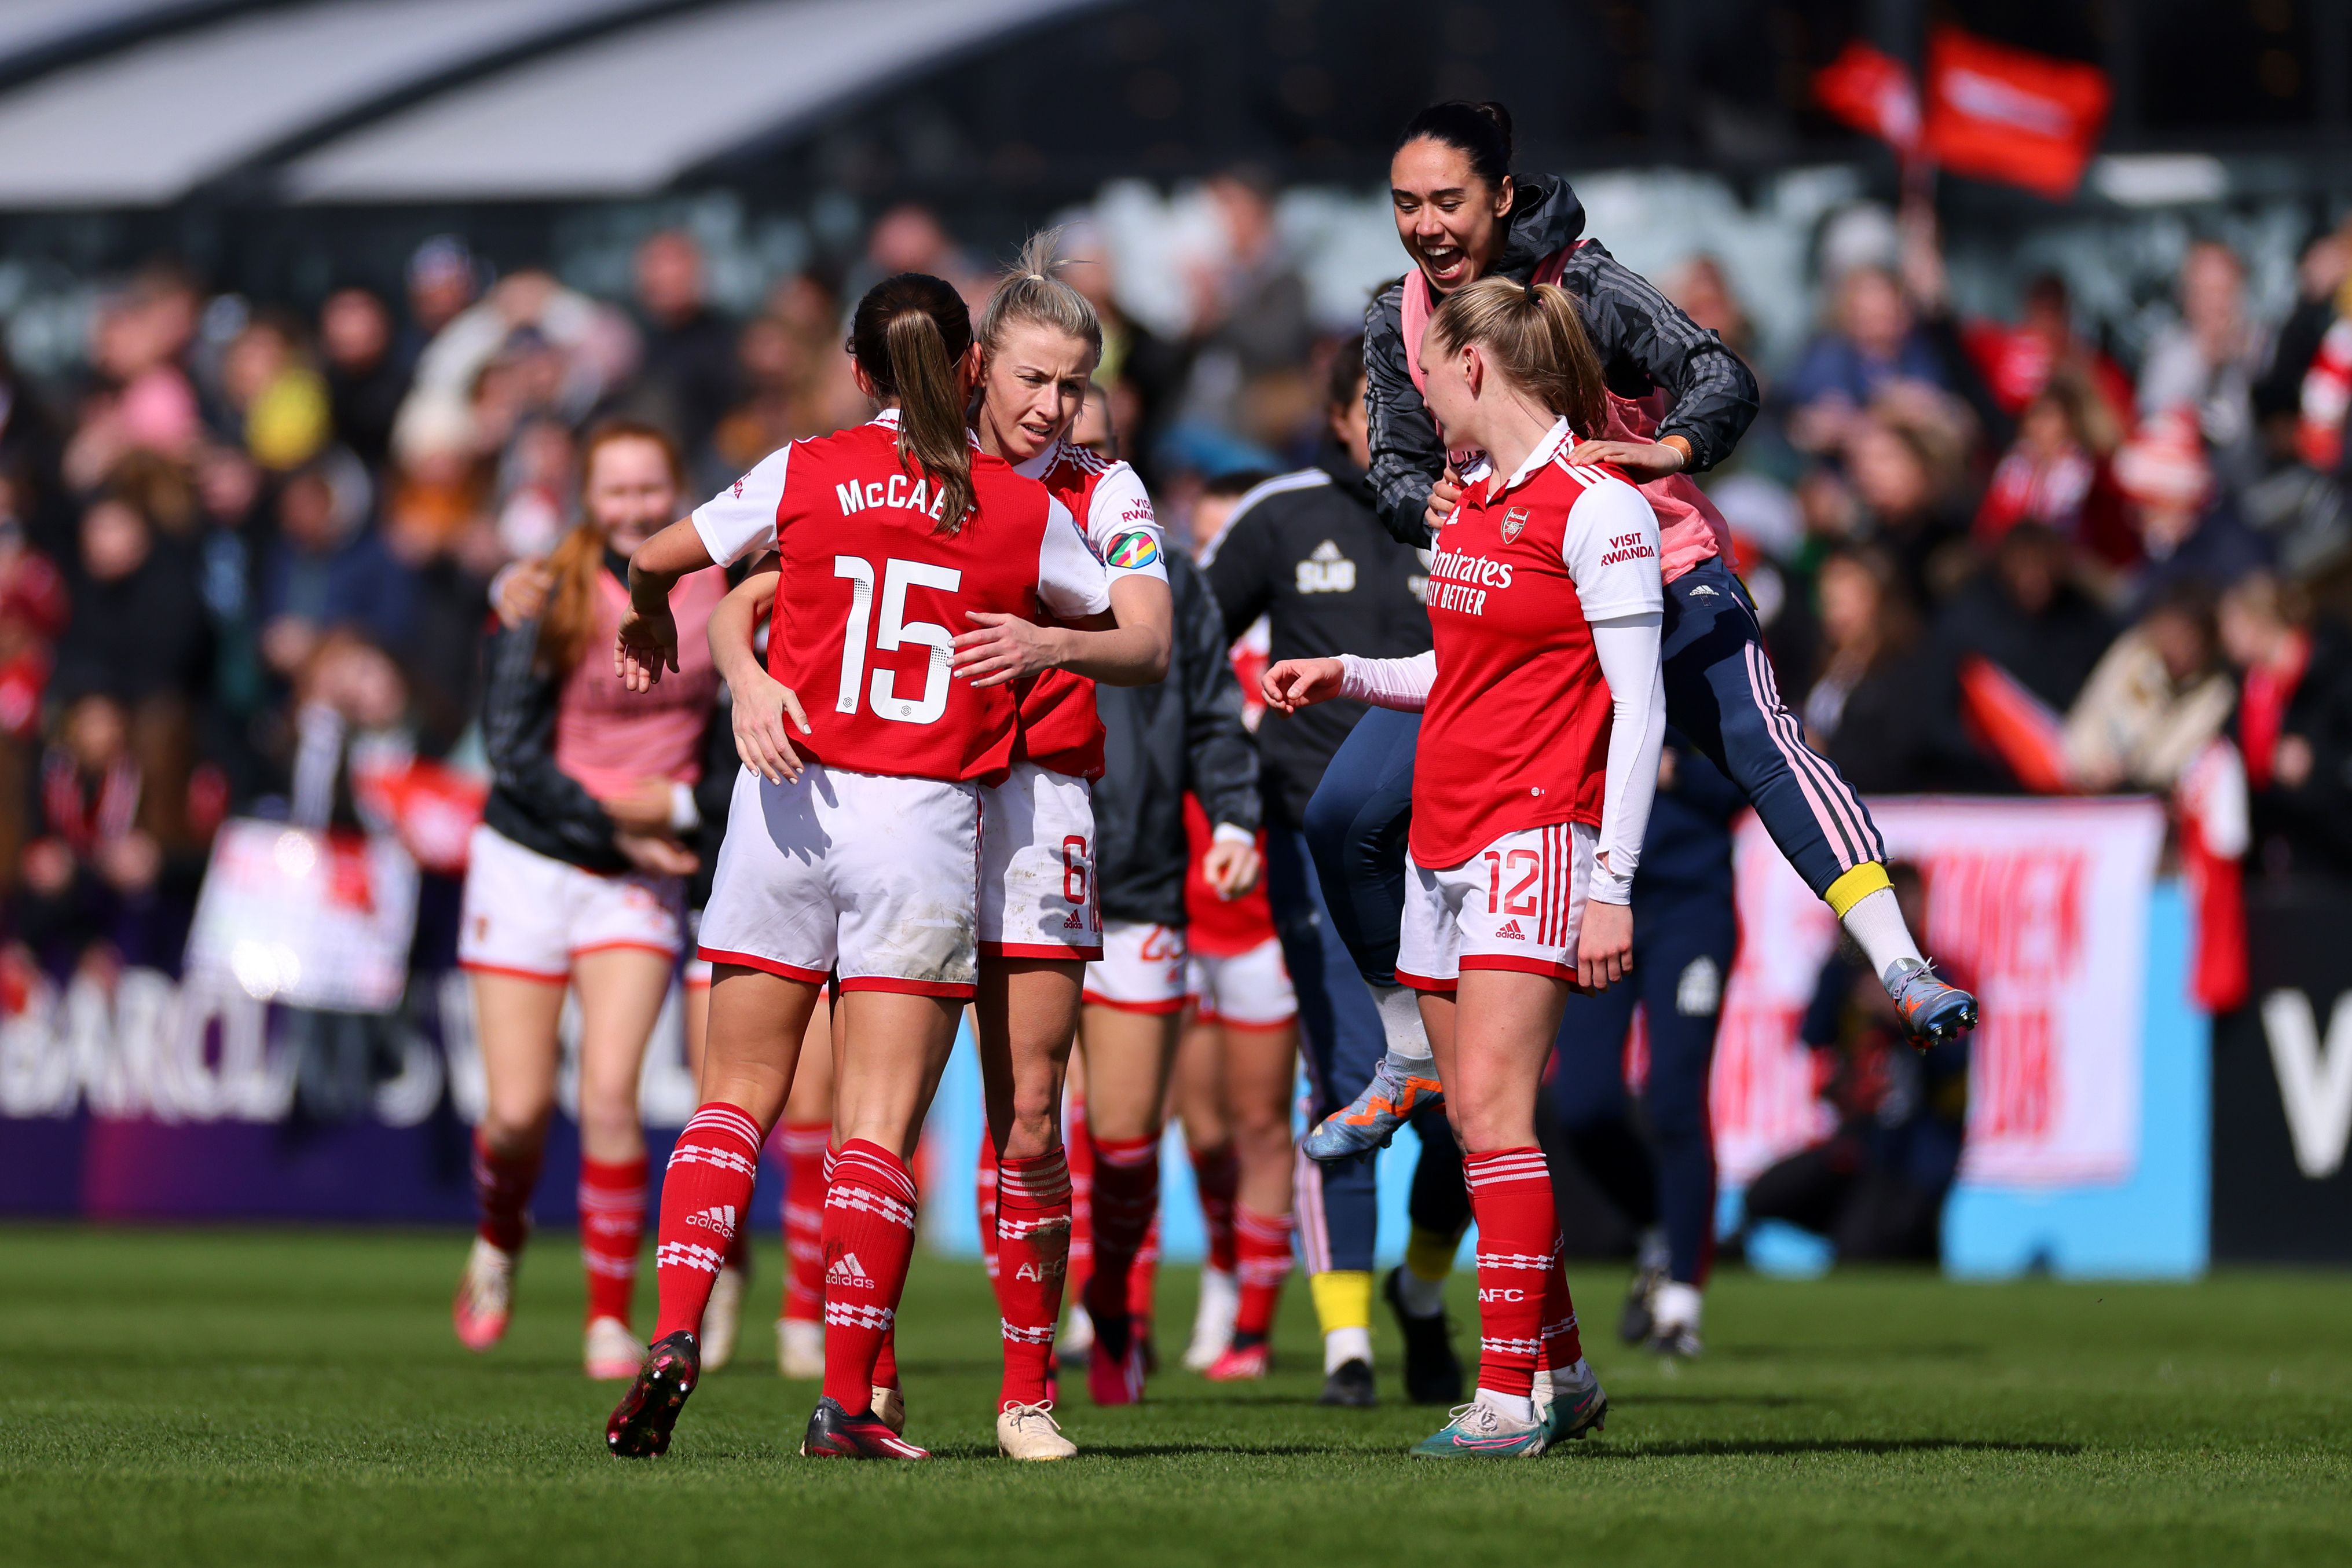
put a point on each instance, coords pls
(1627, 649)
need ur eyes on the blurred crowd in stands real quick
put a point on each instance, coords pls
(250, 544)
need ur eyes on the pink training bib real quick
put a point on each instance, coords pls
(1690, 528)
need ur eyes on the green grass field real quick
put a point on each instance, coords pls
(295, 1396)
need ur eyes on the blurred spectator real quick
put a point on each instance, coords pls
(1871, 344)
(279, 400)
(2027, 615)
(1904, 463)
(29, 452)
(92, 873)
(687, 378)
(2188, 526)
(2294, 728)
(1250, 375)
(2155, 700)
(365, 378)
(1700, 288)
(142, 400)
(1880, 706)
(442, 281)
(910, 238)
(1876, 1187)
(327, 570)
(2018, 362)
(137, 629)
(2057, 473)
(775, 372)
(2208, 361)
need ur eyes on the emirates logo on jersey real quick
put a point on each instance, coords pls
(1514, 522)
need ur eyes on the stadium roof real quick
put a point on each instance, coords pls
(126, 104)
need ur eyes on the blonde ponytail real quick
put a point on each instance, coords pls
(1534, 335)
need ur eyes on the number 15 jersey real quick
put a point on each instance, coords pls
(872, 596)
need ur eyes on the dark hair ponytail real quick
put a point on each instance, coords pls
(1479, 132)
(908, 334)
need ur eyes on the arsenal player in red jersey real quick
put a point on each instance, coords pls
(1536, 764)
(861, 860)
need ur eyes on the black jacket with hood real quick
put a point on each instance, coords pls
(1643, 339)
(1184, 733)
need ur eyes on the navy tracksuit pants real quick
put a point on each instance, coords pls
(1682, 944)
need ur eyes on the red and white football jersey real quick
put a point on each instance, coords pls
(1059, 729)
(872, 596)
(1516, 732)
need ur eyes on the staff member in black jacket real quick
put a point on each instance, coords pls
(1307, 551)
(1182, 735)
(1463, 215)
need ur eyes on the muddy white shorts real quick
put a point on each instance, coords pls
(874, 876)
(529, 915)
(1037, 866)
(1517, 904)
(1249, 990)
(1141, 969)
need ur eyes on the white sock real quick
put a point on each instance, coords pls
(1677, 1305)
(1544, 1390)
(1400, 1008)
(1519, 1407)
(1875, 922)
(1341, 1346)
(1421, 1297)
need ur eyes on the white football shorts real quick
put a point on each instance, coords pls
(870, 876)
(1037, 866)
(1141, 969)
(1517, 904)
(529, 915)
(1249, 990)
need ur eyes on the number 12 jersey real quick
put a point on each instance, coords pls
(872, 596)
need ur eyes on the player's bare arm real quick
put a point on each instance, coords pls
(762, 703)
(1127, 648)
(647, 641)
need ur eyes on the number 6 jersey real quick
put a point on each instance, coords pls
(872, 596)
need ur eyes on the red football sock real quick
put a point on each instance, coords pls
(1510, 1194)
(1261, 1262)
(1032, 1240)
(1127, 1197)
(983, 1191)
(704, 1194)
(1143, 1275)
(1078, 1149)
(612, 1229)
(1217, 1175)
(1562, 1346)
(870, 1235)
(804, 1184)
(502, 1185)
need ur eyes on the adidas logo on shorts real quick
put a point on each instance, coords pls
(847, 1270)
(720, 1219)
(1510, 933)
(1076, 922)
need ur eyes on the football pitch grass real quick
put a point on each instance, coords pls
(263, 1397)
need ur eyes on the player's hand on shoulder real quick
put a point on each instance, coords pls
(764, 705)
(1003, 647)
(1444, 497)
(1297, 683)
(1640, 461)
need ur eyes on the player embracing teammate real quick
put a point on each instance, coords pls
(861, 857)
(1534, 768)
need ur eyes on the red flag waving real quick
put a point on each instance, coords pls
(2004, 114)
(1871, 91)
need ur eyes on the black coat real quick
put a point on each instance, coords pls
(1182, 735)
(1643, 339)
(1306, 551)
(2307, 829)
